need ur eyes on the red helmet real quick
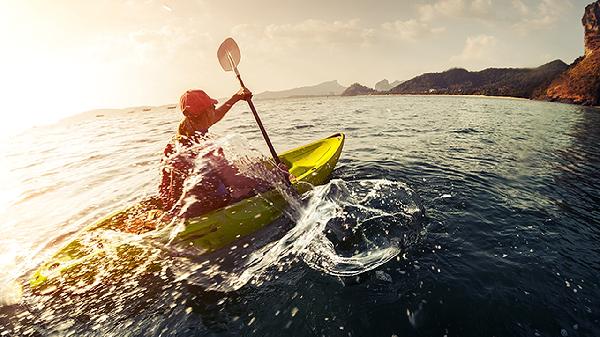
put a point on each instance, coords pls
(194, 102)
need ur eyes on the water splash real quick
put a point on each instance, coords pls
(342, 229)
(360, 225)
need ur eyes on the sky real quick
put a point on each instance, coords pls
(63, 57)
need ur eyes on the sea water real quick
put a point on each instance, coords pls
(462, 216)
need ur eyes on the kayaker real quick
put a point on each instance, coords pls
(221, 183)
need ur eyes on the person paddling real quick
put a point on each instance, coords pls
(222, 183)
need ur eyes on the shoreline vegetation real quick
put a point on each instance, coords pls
(510, 82)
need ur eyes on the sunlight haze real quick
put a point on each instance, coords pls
(60, 58)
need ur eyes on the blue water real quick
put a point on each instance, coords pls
(502, 241)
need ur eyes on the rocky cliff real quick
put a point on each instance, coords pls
(590, 21)
(385, 85)
(580, 83)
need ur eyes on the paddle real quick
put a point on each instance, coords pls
(229, 57)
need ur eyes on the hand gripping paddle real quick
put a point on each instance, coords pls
(229, 57)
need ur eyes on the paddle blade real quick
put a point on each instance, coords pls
(229, 54)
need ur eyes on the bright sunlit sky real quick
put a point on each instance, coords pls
(60, 57)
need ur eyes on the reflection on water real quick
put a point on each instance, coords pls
(446, 216)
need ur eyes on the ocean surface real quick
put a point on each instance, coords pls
(445, 216)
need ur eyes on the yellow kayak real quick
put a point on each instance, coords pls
(311, 164)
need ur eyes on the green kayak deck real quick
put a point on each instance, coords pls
(311, 164)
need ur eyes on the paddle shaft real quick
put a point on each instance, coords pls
(260, 125)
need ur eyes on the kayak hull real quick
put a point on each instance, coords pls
(311, 164)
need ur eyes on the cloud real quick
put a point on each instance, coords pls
(482, 8)
(456, 9)
(410, 30)
(336, 33)
(320, 32)
(166, 42)
(520, 7)
(521, 15)
(478, 50)
(547, 13)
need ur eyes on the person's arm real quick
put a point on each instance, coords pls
(244, 94)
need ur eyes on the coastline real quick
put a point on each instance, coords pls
(485, 96)
(460, 95)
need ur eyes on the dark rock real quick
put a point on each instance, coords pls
(590, 21)
(358, 89)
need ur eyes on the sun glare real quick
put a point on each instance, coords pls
(41, 83)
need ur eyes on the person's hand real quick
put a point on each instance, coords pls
(243, 94)
(283, 167)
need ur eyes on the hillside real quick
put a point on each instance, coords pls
(515, 82)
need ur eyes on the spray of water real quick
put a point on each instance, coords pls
(341, 229)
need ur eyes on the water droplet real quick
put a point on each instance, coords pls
(294, 311)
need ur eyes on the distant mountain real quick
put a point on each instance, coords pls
(515, 82)
(385, 85)
(330, 88)
(358, 89)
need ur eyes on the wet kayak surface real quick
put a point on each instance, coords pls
(457, 216)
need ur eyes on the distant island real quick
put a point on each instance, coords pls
(330, 88)
(578, 83)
